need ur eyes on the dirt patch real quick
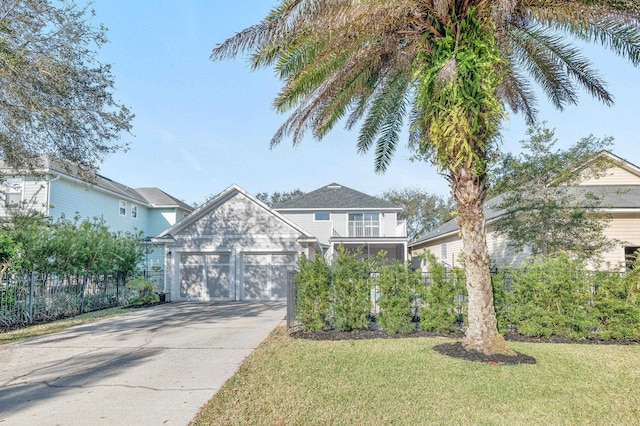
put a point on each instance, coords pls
(456, 350)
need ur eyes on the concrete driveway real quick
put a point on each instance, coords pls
(155, 366)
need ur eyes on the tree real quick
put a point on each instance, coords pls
(422, 211)
(543, 210)
(450, 67)
(56, 98)
(278, 197)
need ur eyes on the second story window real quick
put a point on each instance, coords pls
(321, 216)
(134, 211)
(123, 207)
(364, 224)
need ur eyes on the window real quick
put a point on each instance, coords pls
(123, 208)
(134, 211)
(321, 216)
(630, 256)
(443, 252)
(364, 224)
(13, 192)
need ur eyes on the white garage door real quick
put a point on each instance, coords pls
(206, 276)
(265, 275)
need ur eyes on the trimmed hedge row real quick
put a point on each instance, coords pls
(553, 296)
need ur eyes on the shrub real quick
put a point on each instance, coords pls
(441, 312)
(313, 290)
(501, 285)
(145, 290)
(351, 291)
(398, 286)
(616, 305)
(551, 297)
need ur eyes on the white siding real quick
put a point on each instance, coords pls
(319, 229)
(34, 193)
(614, 176)
(254, 242)
(626, 229)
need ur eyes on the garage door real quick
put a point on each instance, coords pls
(206, 276)
(265, 275)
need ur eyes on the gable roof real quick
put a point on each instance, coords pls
(158, 198)
(220, 199)
(612, 197)
(335, 196)
(153, 197)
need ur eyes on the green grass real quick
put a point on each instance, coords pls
(289, 381)
(51, 327)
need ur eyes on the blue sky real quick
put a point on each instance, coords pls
(201, 126)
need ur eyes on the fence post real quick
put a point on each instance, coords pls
(31, 297)
(84, 285)
(291, 302)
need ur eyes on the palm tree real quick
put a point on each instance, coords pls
(446, 68)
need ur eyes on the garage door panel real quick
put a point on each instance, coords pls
(279, 281)
(205, 276)
(191, 282)
(266, 275)
(218, 281)
(256, 282)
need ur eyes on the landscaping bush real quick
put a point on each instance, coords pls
(313, 289)
(551, 297)
(616, 305)
(440, 311)
(351, 291)
(145, 291)
(501, 285)
(399, 287)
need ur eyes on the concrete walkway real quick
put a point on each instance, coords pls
(155, 366)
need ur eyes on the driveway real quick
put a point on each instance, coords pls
(155, 366)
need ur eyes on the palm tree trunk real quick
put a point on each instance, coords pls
(469, 192)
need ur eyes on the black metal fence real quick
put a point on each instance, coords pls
(459, 299)
(40, 297)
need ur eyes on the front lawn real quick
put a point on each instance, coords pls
(290, 381)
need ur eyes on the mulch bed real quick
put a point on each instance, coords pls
(455, 350)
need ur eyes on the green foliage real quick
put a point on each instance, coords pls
(616, 305)
(399, 287)
(550, 296)
(57, 97)
(72, 246)
(351, 291)
(278, 197)
(422, 211)
(458, 100)
(145, 291)
(544, 211)
(313, 291)
(441, 312)
(501, 284)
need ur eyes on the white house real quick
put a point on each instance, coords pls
(237, 248)
(619, 190)
(233, 247)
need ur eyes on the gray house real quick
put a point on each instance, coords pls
(233, 247)
(336, 215)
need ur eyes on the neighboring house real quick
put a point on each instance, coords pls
(57, 192)
(619, 189)
(337, 215)
(234, 247)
